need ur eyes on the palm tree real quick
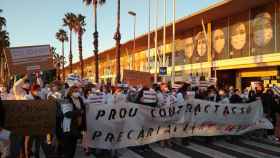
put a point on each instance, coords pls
(95, 34)
(61, 35)
(2, 22)
(117, 37)
(58, 60)
(79, 28)
(69, 21)
(4, 43)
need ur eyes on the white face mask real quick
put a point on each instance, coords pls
(76, 94)
(93, 90)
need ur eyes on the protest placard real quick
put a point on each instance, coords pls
(30, 117)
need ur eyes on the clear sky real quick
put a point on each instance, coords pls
(32, 22)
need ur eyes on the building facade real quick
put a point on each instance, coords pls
(240, 45)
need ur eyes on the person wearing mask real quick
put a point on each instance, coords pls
(235, 98)
(164, 97)
(21, 89)
(38, 140)
(96, 97)
(74, 121)
(181, 94)
(147, 96)
(245, 95)
(223, 97)
(119, 96)
(109, 98)
(54, 92)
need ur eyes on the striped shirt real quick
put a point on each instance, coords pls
(149, 96)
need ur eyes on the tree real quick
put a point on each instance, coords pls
(4, 43)
(69, 21)
(95, 34)
(117, 37)
(58, 60)
(79, 28)
(61, 35)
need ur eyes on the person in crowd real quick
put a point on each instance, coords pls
(74, 121)
(181, 94)
(235, 98)
(252, 96)
(164, 96)
(119, 95)
(96, 97)
(109, 98)
(223, 98)
(54, 92)
(245, 95)
(38, 140)
(231, 91)
(147, 96)
(21, 88)
(4, 134)
(277, 121)
(212, 94)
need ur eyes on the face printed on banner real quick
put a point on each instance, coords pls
(263, 32)
(238, 36)
(189, 47)
(219, 40)
(201, 46)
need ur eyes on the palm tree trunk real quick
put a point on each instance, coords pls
(70, 52)
(117, 37)
(95, 42)
(81, 53)
(63, 70)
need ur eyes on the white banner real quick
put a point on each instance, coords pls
(128, 124)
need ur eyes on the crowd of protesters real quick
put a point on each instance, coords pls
(71, 117)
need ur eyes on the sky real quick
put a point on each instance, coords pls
(35, 22)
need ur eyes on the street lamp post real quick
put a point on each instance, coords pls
(149, 35)
(173, 44)
(156, 46)
(117, 37)
(134, 37)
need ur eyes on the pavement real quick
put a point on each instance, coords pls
(198, 148)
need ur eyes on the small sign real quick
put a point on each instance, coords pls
(163, 71)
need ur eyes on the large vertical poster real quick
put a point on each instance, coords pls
(263, 29)
(189, 47)
(220, 39)
(200, 43)
(239, 35)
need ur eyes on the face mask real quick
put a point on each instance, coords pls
(93, 90)
(76, 94)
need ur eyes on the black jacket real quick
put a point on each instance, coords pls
(75, 115)
(2, 114)
(235, 99)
